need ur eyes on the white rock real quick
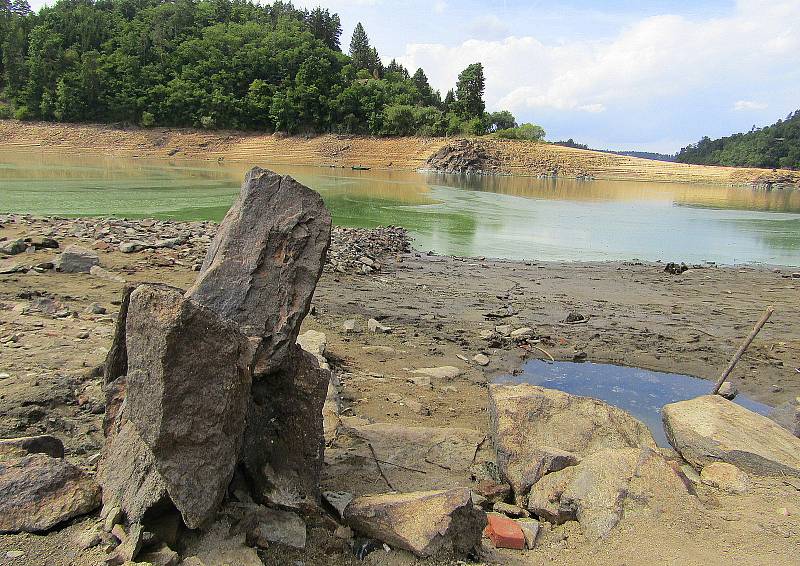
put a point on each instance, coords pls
(443, 372)
(481, 359)
(375, 326)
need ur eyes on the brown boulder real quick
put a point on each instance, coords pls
(264, 263)
(183, 417)
(424, 523)
(38, 492)
(537, 431)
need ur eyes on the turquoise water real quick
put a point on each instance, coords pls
(505, 217)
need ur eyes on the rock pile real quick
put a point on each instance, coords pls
(465, 156)
(208, 390)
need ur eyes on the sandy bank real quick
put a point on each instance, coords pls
(515, 157)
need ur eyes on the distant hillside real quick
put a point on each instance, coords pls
(775, 146)
(640, 154)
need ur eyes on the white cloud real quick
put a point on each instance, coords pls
(655, 58)
(440, 6)
(742, 105)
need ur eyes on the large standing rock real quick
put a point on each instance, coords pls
(711, 429)
(284, 437)
(38, 492)
(183, 419)
(537, 431)
(424, 523)
(75, 259)
(264, 263)
(606, 486)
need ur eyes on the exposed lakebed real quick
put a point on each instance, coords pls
(506, 217)
(640, 392)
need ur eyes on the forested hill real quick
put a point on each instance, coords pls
(775, 146)
(219, 64)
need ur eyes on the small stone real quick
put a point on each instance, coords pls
(14, 554)
(376, 327)
(509, 510)
(728, 390)
(503, 330)
(504, 532)
(132, 247)
(162, 555)
(96, 308)
(481, 359)
(349, 326)
(725, 477)
(487, 334)
(112, 519)
(344, 533)
(530, 528)
(443, 372)
(76, 259)
(522, 333)
(83, 335)
(493, 491)
(339, 500)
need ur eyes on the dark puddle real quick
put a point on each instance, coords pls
(640, 392)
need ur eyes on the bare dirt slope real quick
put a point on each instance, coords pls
(515, 157)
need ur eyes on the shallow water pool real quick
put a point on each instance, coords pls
(640, 392)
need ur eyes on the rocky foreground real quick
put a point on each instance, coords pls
(422, 464)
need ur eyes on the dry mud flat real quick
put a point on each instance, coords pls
(55, 329)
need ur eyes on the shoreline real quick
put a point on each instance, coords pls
(513, 158)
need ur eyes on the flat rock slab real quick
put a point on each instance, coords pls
(415, 457)
(424, 523)
(75, 259)
(606, 486)
(38, 492)
(443, 372)
(183, 420)
(711, 429)
(263, 265)
(537, 431)
(24, 446)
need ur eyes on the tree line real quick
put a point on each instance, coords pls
(222, 64)
(775, 146)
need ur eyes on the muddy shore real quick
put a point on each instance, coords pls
(55, 329)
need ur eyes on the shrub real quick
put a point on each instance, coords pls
(22, 113)
(530, 132)
(5, 111)
(148, 120)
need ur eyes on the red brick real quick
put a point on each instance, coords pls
(504, 532)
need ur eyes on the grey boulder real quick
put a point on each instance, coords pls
(75, 259)
(263, 265)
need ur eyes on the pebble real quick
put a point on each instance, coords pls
(481, 359)
(14, 554)
(349, 326)
(375, 326)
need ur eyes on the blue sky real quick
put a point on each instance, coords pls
(621, 74)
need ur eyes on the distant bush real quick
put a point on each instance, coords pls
(530, 132)
(5, 111)
(148, 120)
(475, 127)
(22, 113)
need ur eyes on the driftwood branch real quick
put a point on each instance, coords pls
(743, 348)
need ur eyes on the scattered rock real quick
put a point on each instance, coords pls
(162, 555)
(38, 492)
(492, 491)
(132, 247)
(376, 327)
(725, 477)
(338, 500)
(217, 546)
(130, 545)
(443, 372)
(538, 431)
(504, 532)
(728, 390)
(509, 510)
(281, 527)
(574, 318)
(503, 330)
(521, 333)
(465, 156)
(424, 523)
(105, 274)
(349, 326)
(13, 247)
(481, 359)
(676, 269)
(530, 528)
(711, 429)
(7, 268)
(75, 259)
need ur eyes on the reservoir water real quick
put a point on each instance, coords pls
(640, 392)
(502, 217)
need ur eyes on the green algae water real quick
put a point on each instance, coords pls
(502, 217)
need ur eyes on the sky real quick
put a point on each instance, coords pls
(650, 75)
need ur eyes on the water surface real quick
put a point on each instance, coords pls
(640, 392)
(505, 217)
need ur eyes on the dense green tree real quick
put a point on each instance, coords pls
(503, 120)
(215, 64)
(773, 146)
(469, 92)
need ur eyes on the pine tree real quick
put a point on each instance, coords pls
(469, 91)
(360, 50)
(325, 26)
(426, 95)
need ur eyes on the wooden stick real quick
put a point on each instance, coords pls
(545, 352)
(743, 348)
